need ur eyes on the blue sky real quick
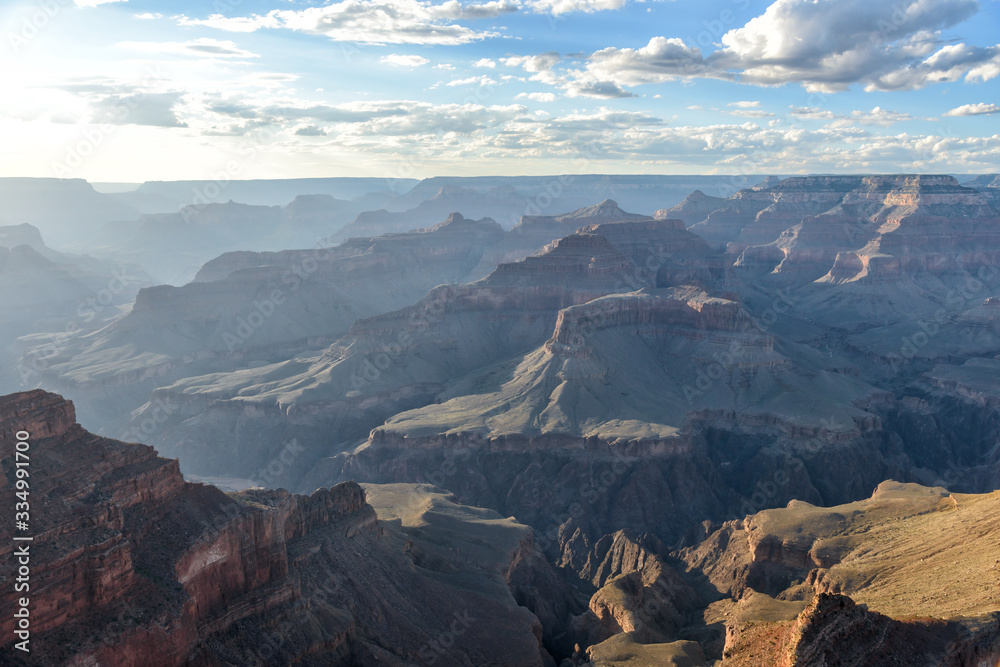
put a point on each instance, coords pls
(132, 90)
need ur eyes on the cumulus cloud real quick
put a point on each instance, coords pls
(154, 109)
(825, 45)
(557, 7)
(477, 80)
(749, 113)
(372, 21)
(201, 47)
(949, 63)
(485, 62)
(978, 109)
(537, 97)
(94, 3)
(812, 113)
(356, 112)
(747, 109)
(883, 44)
(403, 61)
(422, 119)
(660, 60)
(586, 87)
(542, 62)
(877, 116)
(608, 71)
(310, 131)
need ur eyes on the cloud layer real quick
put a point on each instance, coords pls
(978, 109)
(373, 21)
(824, 45)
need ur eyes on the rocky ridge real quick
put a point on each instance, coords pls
(130, 563)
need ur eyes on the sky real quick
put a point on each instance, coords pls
(135, 90)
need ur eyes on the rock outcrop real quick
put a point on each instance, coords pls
(756, 217)
(130, 564)
(664, 253)
(900, 578)
(696, 207)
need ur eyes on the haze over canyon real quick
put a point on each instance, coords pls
(554, 421)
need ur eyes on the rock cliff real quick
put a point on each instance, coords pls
(130, 564)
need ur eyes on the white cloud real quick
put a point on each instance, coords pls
(510, 135)
(537, 97)
(877, 116)
(584, 86)
(660, 60)
(479, 80)
(978, 109)
(749, 113)
(420, 119)
(485, 62)
(94, 3)
(812, 113)
(824, 45)
(202, 47)
(949, 63)
(147, 16)
(557, 7)
(403, 61)
(609, 70)
(372, 21)
(444, 66)
(310, 131)
(829, 45)
(155, 109)
(543, 62)
(745, 104)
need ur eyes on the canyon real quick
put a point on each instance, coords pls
(132, 564)
(751, 427)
